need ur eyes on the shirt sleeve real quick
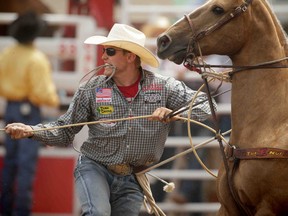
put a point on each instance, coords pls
(180, 94)
(78, 112)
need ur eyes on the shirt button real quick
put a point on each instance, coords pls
(130, 128)
(128, 146)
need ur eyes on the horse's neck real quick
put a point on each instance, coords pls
(259, 97)
(280, 31)
(266, 40)
(259, 107)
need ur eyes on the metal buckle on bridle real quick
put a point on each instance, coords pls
(230, 152)
(243, 7)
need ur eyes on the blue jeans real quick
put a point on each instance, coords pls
(20, 162)
(102, 193)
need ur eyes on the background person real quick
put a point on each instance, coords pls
(114, 151)
(26, 84)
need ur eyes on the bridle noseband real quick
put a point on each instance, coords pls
(190, 56)
(204, 32)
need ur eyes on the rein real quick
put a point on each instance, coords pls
(264, 65)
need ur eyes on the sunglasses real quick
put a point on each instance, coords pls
(110, 51)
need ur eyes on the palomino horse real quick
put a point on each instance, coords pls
(253, 179)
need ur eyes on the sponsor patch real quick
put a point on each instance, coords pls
(152, 98)
(104, 110)
(103, 95)
(152, 87)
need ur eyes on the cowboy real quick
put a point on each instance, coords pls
(26, 85)
(113, 151)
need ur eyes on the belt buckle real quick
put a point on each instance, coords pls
(120, 169)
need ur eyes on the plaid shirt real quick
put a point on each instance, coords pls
(137, 142)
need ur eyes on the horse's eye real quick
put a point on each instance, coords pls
(218, 10)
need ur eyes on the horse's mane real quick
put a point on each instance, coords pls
(280, 31)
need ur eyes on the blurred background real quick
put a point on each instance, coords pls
(70, 22)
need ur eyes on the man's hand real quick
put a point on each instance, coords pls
(160, 113)
(19, 130)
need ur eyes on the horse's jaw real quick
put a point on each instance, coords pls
(177, 57)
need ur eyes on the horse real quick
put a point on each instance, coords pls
(253, 176)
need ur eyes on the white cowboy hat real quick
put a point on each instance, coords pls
(128, 38)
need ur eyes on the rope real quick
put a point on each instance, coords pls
(90, 123)
(190, 137)
(193, 149)
(183, 153)
(149, 201)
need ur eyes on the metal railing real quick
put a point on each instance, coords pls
(132, 11)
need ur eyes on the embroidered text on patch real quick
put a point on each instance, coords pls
(104, 110)
(152, 97)
(152, 87)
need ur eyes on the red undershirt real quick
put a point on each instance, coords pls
(130, 92)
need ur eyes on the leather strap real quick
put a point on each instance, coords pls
(257, 153)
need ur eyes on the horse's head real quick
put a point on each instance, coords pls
(214, 28)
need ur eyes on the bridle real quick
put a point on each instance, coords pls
(203, 33)
(188, 61)
(239, 10)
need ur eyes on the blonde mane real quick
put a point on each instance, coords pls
(280, 31)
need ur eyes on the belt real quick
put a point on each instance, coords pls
(124, 169)
(120, 169)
